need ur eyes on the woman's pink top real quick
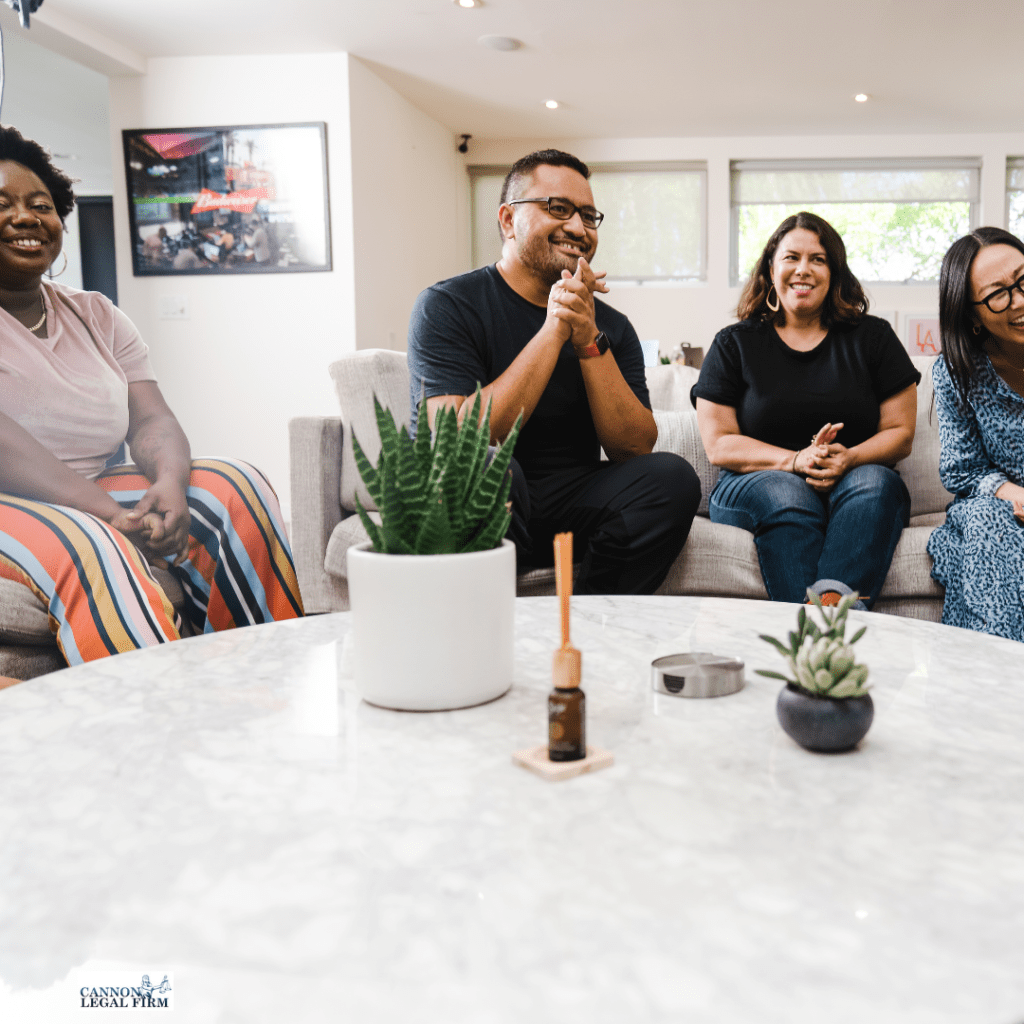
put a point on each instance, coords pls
(69, 390)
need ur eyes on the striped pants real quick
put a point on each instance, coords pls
(102, 598)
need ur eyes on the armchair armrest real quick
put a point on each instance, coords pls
(315, 457)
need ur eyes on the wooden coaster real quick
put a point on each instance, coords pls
(536, 760)
(6, 681)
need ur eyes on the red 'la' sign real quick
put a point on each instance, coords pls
(243, 202)
(923, 335)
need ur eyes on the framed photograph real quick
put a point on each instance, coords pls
(245, 199)
(921, 334)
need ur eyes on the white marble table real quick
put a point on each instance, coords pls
(222, 810)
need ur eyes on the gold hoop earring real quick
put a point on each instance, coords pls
(50, 273)
(767, 300)
(976, 329)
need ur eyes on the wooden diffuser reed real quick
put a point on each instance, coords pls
(567, 665)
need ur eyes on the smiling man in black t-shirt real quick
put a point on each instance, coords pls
(531, 331)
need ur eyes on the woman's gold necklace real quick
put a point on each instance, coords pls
(39, 323)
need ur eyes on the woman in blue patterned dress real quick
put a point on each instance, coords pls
(979, 396)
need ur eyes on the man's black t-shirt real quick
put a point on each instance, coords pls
(783, 397)
(470, 329)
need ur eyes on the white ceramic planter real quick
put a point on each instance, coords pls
(432, 632)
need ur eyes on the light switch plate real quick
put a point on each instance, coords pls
(172, 307)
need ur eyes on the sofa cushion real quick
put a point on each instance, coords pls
(920, 470)
(720, 560)
(26, 661)
(928, 519)
(678, 433)
(357, 378)
(348, 532)
(910, 574)
(716, 561)
(928, 609)
(669, 386)
(23, 619)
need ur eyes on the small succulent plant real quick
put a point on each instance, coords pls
(820, 657)
(439, 496)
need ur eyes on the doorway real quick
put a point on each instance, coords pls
(96, 240)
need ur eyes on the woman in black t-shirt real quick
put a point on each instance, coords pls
(805, 404)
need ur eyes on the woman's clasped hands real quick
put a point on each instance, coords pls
(159, 523)
(824, 462)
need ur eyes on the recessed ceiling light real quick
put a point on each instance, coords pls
(862, 97)
(499, 42)
(551, 104)
(467, 3)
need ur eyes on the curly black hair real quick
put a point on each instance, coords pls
(14, 146)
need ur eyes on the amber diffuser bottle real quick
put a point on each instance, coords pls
(567, 704)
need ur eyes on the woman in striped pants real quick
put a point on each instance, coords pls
(75, 383)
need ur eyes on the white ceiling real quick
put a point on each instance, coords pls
(630, 68)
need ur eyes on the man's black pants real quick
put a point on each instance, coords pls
(629, 520)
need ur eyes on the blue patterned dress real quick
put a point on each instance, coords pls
(978, 553)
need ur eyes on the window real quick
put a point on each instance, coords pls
(1015, 196)
(654, 227)
(897, 217)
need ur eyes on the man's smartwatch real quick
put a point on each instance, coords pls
(597, 347)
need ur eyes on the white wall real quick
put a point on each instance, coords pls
(695, 313)
(255, 349)
(63, 106)
(410, 201)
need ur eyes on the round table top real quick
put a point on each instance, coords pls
(226, 810)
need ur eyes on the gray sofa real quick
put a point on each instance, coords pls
(717, 560)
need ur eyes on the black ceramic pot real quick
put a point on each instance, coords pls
(826, 725)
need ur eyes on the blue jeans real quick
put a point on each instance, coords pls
(847, 534)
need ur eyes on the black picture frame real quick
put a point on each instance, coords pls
(275, 218)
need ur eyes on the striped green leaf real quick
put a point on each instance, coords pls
(435, 535)
(422, 443)
(366, 470)
(376, 538)
(487, 494)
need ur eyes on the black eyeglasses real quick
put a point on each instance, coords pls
(562, 209)
(999, 301)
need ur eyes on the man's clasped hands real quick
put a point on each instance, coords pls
(571, 300)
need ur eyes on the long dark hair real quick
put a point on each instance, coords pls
(957, 319)
(845, 302)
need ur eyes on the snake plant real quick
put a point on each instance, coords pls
(437, 496)
(820, 657)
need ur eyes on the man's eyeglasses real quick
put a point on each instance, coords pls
(562, 209)
(999, 300)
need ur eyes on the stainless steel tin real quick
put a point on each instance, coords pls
(697, 674)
